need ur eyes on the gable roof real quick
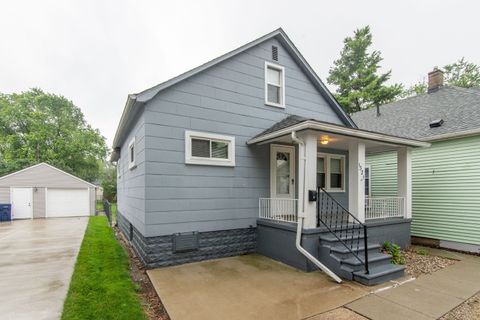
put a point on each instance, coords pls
(49, 166)
(141, 98)
(459, 108)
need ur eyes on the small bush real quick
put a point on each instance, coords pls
(395, 251)
(422, 251)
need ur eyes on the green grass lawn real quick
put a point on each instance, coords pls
(101, 287)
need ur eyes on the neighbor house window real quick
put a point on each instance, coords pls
(274, 85)
(131, 154)
(331, 172)
(209, 149)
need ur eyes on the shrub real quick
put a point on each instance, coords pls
(395, 251)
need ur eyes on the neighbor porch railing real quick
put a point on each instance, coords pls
(278, 209)
(384, 207)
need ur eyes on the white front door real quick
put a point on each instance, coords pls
(282, 172)
(22, 203)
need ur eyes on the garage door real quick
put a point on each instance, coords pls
(68, 202)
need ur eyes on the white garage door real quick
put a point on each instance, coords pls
(67, 202)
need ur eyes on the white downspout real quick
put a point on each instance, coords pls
(302, 188)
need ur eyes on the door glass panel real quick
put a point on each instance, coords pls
(320, 172)
(283, 173)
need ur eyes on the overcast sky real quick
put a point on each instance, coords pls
(96, 52)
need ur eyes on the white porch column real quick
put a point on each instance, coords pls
(310, 153)
(356, 179)
(404, 178)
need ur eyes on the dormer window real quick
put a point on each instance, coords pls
(274, 85)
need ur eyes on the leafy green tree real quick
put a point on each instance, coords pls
(356, 75)
(41, 127)
(462, 74)
(109, 182)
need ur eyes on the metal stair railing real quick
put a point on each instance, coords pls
(342, 224)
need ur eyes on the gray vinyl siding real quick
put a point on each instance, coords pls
(131, 183)
(39, 203)
(4, 195)
(226, 99)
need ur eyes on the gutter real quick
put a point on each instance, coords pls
(301, 215)
(454, 135)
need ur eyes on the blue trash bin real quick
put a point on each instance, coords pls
(5, 212)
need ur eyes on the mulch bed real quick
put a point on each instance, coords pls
(417, 264)
(150, 300)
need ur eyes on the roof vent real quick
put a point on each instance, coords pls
(436, 123)
(275, 53)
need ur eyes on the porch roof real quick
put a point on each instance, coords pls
(297, 124)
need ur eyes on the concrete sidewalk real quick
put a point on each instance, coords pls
(429, 296)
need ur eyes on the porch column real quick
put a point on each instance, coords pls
(404, 178)
(310, 167)
(356, 179)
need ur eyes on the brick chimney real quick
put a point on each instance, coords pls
(435, 80)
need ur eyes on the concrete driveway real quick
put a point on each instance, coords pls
(36, 263)
(248, 287)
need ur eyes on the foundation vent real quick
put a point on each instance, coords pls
(183, 242)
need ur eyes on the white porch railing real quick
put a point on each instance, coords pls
(384, 207)
(278, 209)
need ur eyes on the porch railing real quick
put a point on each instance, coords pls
(384, 207)
(343, 225)
(278, 209)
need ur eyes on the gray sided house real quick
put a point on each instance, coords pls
(446, 176)
(226, 159)
(43, 191)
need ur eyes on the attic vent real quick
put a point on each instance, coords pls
(183, 242)
(275, 53)
(436, 123)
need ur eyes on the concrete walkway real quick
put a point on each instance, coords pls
(429, 296)
(36, 263)
(248, 287)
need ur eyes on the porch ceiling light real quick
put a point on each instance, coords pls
(324, 140)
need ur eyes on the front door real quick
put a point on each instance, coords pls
(21, 199)
(282, 172)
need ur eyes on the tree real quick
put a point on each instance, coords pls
(355, 74)
(41, 127)
(109, 182)
(462, 74)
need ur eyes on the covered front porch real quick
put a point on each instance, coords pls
(319, 212)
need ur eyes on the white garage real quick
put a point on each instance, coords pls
(43, 191)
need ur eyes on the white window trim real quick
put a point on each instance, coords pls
(282, 84)
(132, 164)
(189, 159)
(369, 167)
(327, 157)
(119, 173)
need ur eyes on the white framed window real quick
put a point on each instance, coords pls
(131, 154)
(274, 85)
(119, 173)
(331, 172)
(366, 176)
(209, 149)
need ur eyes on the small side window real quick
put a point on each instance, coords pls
(209, 149)
(274, 85)
(131, 154)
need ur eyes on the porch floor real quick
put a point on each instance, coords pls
(248, 287)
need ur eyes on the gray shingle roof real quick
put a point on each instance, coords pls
(410, 118)
(285, 123)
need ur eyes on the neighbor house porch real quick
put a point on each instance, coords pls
(319, 180)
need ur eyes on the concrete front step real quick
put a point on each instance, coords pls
(379, 274)
(331, 239)
(377, 259)
(341, 252)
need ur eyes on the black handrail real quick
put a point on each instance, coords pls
(340, 221)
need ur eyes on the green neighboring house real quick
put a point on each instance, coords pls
(446, 176)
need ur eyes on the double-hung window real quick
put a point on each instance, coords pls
(274, 85)
(131, 154)
(331, 172)
(209, 149)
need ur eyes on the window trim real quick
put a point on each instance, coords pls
(132, 163)
(369, 167)
(327, 157)
(189, 159)
(282, 84)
